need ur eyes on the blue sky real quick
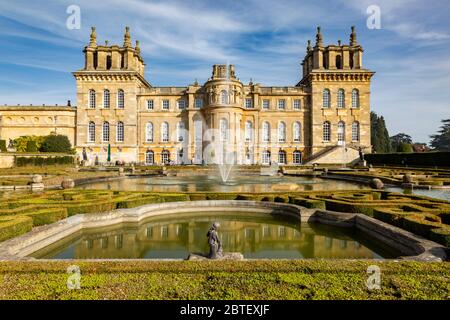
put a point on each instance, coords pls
(266, 40)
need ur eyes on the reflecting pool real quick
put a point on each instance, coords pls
(214, 184)
(255, 235)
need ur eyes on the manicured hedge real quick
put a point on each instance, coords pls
(43, 160)
(311, 279)
(12, 226)
(136, 202)
(2, 145)
(440, 159)
(47, 216)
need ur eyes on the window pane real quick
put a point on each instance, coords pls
(120, 99)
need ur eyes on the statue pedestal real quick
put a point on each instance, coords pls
(225, 256)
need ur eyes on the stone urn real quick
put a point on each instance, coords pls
(121, 171)
(376, 183)
(36, 178)
(67, 183)
(407, 179)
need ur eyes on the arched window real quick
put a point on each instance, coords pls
(120, 131)
(326, 98)
(281, 132)
(266, 132)
(120, 99)
(355, 131)
(265, 157)
(297, 132)
(248, 131)
(338, 62)
(149, 157)
(224, 97)
(92, 99)
(180, 131)
(341, 98)
(149, 132)
(341, 131)
(91, 132)
(326, 131)
(105, 132)
(164, 132)
(106, 98)
(355, 98)
(223, 127)
(165, 156)
(297, 157)
(281, 157)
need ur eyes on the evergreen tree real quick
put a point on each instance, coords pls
(379, 134)
(399, 141)
(441, 140)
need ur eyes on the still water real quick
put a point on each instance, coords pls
(255, 235)
(215, 184)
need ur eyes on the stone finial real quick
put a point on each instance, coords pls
(138, 48)
(319, 37)
(353, 41)
(127, 38)
(93, 38)
(308, 46)
(196, 82)
(251, 82)
(339, 42)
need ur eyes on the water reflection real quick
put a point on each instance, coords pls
(214, 184)
(443, 194)
(254, 235)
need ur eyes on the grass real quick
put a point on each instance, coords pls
(263, 279)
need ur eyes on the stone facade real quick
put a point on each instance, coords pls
(223, 119)
(16, 121)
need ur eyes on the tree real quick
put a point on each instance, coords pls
(21, 143)
(56, 143)
(379, 134)
(441, 140)
(405, 147)
(398, 141)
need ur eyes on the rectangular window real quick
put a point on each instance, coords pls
(149, 104)
(248, 103)
(165, 104)
(266, 104)
(198, 103)
(281, 104)
(181, 104)
(297, 104)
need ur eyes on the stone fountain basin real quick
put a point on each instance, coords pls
(411, 246)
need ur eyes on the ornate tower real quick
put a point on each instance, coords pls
(339, 87)
(107, 106)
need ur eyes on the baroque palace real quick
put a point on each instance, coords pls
(324, 118)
